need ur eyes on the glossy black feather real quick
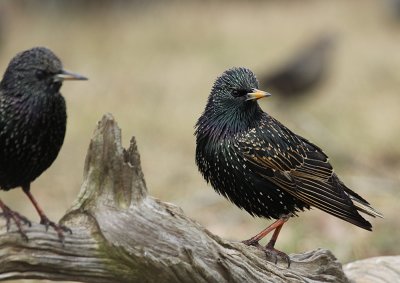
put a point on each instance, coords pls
(262, 166)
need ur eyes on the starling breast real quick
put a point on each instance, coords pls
(260, 165)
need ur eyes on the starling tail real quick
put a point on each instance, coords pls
(261, 166)
(32, 125)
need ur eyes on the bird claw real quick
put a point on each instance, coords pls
(60, 229)
(273, 253)
(269, 251)
(9, 214)
(251, 242)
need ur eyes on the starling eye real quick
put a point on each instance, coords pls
(239, 92)
(40, 74)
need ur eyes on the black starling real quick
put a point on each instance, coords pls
(303, 72)
(261, 166)
(32, 125)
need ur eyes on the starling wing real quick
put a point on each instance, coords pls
(301, 169)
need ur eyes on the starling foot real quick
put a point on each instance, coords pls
(254, 243)
(60, 229)
(271, 252)
(269, 249)
(18, 219)
(44, 220)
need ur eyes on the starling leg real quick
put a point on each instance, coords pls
(60, 229)
(254, 240)
(269, 248)
(18, 219)
(271, 251)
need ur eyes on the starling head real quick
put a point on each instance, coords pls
(232, 105)
(236, 87)
(36, 70)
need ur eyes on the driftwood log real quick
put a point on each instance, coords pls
(121, 234)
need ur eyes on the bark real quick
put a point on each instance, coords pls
(383, 269)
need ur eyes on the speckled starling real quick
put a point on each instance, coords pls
(263, 167)
(32, 125)
(302, 73)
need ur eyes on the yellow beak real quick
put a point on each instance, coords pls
(256, 94)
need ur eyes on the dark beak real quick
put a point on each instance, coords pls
(256, 94)
(65, 75)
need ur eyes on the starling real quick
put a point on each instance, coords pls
(32, 125)
(305, 71)
(263, 167)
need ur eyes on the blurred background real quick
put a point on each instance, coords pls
(152, 64)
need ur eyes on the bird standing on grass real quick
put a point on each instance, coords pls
(32, 125)
(261, 166)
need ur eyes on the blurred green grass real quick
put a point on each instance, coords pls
(152, 67)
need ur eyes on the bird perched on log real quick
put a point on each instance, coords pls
(263, 167)
(32, 125)
(305, 71)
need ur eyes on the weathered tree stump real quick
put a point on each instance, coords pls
(383, 269)
(121, 234)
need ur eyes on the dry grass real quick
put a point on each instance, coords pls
(153, 66)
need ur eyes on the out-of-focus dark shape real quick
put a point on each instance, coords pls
(303, 72)
(393, 9)
(82, 6)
